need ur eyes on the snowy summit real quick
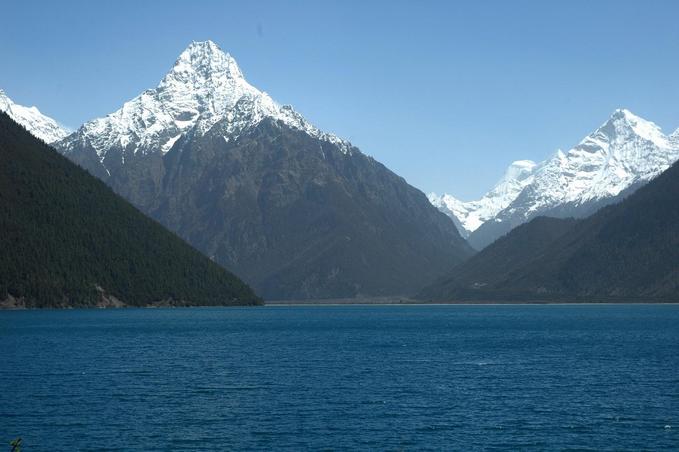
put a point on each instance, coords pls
(204, 86)
(41, 126)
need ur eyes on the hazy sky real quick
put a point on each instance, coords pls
(446, 94)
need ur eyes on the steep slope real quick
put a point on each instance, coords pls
(626, 251)
(296, 212)
(619, 157)
(43, 127)
(472, 214)
(68, 240)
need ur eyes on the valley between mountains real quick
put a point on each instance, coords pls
(298, 213)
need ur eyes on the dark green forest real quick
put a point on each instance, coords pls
(67, 240)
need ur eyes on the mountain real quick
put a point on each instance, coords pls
(612, 162)
(69, 241)
(43, 127)
(625, 251)
(296, 212)
(204, 86)
(472, 214)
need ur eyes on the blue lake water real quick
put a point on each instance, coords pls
(346, 377)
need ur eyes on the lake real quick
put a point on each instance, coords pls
(528, 377)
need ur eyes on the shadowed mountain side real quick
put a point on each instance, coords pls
(298, 218)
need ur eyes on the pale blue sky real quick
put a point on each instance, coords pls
(446, 94)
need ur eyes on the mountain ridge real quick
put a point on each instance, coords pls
(38, 124)
(621, 155)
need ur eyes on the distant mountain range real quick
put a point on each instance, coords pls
(625, 252)
(616, 159)
(68, 241)
(296, 212)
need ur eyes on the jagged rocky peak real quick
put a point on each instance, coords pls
(625, 150)
(204, 86)
(41, 126)
(624, 124)
(206, 59)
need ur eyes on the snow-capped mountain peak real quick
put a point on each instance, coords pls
(624, 152)
(43, 127)
(206, 59)
(203, 87)
(623, 124)
(472, 214)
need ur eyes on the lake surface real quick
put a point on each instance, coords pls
(342, 377)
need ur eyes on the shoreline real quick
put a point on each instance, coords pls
(365, 302)
(411, 302)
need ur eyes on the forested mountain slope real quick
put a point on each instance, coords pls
(67, 240)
